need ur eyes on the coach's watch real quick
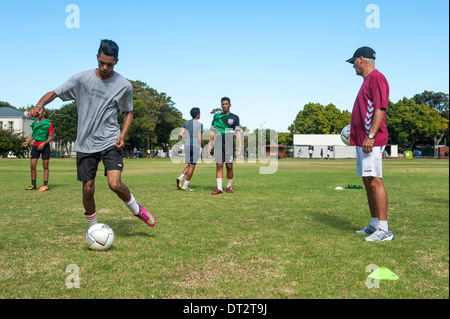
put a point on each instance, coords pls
(371, 136)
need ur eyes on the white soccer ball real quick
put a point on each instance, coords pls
(99, 237)
(345, 135)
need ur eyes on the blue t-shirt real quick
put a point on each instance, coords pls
(192, 128)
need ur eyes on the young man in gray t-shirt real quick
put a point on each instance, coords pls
(100, 94)
(192, 131)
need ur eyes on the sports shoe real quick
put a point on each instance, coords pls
(380, 235)
(146, 216)
(30, 188)
(186, 188)
(44, 188)
(216, 192)
(368, 230)
(179, 183)
(230, 190)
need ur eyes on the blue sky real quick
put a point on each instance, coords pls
(270, 57)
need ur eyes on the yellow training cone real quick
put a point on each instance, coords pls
(383, 273)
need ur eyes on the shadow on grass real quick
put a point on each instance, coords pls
(333, 221)
(125, 228)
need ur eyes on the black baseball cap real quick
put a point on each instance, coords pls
(365, 52)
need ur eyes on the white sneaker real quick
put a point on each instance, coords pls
(179, 183)
(186, 188)
(380, 235)
(369, 229)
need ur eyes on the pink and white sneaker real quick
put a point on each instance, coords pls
(146, 216)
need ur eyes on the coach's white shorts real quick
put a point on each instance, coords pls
(370, 164)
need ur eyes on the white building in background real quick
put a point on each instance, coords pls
(323, 142)
(16, 121)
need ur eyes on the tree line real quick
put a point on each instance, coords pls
(422, 119)
(154, 118)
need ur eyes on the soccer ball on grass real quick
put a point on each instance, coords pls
(99, 237)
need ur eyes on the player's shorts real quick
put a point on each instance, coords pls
(87, 163)
(224, 149)
(192, 153)
(370, 164)
(35, 153)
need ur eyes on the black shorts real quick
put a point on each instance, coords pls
(224, 149)
(87, 163)
(35, 153)
(192, 153)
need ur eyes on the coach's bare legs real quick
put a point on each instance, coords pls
(377, 197)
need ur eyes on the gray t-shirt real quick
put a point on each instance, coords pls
(97, 103)
(192, 128)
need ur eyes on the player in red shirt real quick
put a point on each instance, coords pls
(42, 136)
(369, 135)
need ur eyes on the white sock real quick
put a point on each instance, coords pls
(186, 183)
(182, 176)
(374, 222)
(91, 219)
(229, 181)
(133, 206)
(219, 183)
(383, 225)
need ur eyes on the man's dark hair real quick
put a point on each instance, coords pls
(109, 48)
(225, 99)
(195, 111)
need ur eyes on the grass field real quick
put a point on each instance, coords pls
(288, 235)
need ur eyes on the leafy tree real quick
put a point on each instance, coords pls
(437, 101)
(318, 119)
(6, 104)
(216, 110)
(335, 120)
(138, 135)
(156, 116)
(171, 118)
(285, 139)
(408, 122)
(433, 100)
(65, 121)
(12, 142)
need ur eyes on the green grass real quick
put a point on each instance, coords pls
(288, 235)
